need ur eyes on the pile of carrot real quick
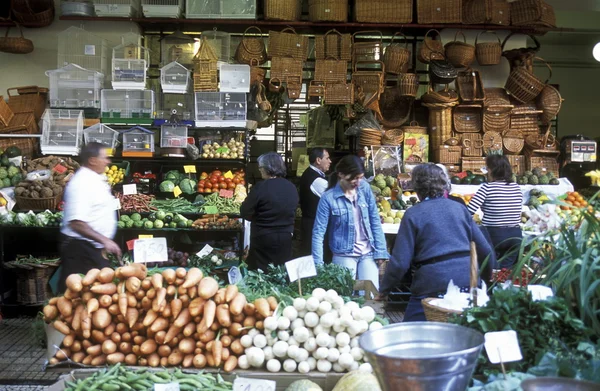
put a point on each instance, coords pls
(174, 318)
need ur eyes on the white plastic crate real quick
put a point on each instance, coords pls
(62, 131)
(175, 78)
(73, 86)
(220, 41)
(129, 65)
(178, 47)
(138, 141)
(77, 46)
(162, 8)
(117, 104)
(217, 9)
(220, 109)
(117, 8)
(234, 78)
(173, 136)
(103, 134)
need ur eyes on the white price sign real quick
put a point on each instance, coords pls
(245, 384)
(130, 189)
(205, 251)
(302, 267)
(502, 346)
(166, 387)
(234, 275)
(150, 250)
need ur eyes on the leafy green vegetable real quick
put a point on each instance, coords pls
(167, 186)
(188, 186)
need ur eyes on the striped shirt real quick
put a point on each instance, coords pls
(500, 202)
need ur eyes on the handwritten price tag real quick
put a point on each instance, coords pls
(228, 174)
(130, 189)
(245, 384)
(502, 346)
(166, 387)
(211, 210)
(189, 169)
(145, 236)
(130, 244)
(234, 275)
(177, 191)
(302, 267)
(207, 249)
(150, 250)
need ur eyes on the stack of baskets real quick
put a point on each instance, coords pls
(33, 280)
(369, 137)
(332, 55)
(21, 123)
(383, 11)
(288, 51)
(440, 124)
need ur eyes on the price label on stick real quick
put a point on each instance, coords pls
(302, 267)
(205, 251)
(130, 189)
(211, 210)
(228, 175)
(246, 384)
(502, 346)
(150, 250)
(130, 244)
(234, 275)
(177, 191)
(189, 169)
(166, 387)
(145, 236)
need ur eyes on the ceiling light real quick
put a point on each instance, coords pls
(596, 52)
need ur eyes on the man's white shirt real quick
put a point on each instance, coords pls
(319, 185)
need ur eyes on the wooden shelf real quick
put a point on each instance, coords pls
(239, 25)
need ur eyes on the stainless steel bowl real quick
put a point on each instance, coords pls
(423, 356)
(558, 384)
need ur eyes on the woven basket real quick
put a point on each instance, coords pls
(439, 11)
(517, 163)
(439, 314)
(15, 45)
(339, 94)
(396, 58)
(370, 137)
(440, 123)
(333, 44)
(33, 283)
(394, 108)
(287, 10)
(257, 74)
(251, 50)
(492, 141)
(550, 102)
(521, 56)
(442, 96)
(525, 120)
(532, 13)
(328, 10)
(486, 12)
(288, 43)
(488, 53)
(547, 161)
(472, 144)
(283, 68)
(414, 128)
(468, 119)
(333, 71)
(369, 81)
(541, 142)
(523, 85)
(38, 204)
(28, 99)
(383, 11)
(392, 137)
(33, 13)
(316, 89)
(408, 84)
(28, 146)
(6, 114)
(469, 86)
(447, 154)
(366, 50)
(430, 46)
(496, 118)
(512, 142)
(460, 54)
(496, 97)
(453, 168)
(473, 164)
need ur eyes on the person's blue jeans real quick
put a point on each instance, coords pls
(506, 242)
(362, 267)
(414, 310)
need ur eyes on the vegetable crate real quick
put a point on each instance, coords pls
(32, 282)
(62, 132)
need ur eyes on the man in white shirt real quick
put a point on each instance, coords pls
(312, 185)
(90, 218)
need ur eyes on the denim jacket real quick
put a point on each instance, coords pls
(335, 210)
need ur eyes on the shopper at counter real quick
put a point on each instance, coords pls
(500, 200)
(447, 193)
(90, 216)
(349, 209)
(434, 240)
(271, 209)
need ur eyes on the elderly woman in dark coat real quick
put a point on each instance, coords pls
(271, 209)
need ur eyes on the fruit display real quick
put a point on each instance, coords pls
(465, 197)
(231, 149)
(114, 175)
(218, 180)
(573, 200)
(537, 177)
(594, 176)
(155, 220)
(537, 197)
(467, 178)
(383, 185)
(174, 178)
(10, 175)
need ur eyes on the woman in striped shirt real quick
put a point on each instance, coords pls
(500, 200)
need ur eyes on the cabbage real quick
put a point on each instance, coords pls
(167, 186)
(26, 219)
(12, 171)
(188, 186)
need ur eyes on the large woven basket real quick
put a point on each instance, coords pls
(468, 119)
(492, 141)
(473, 164)
(541, 142)
(38, 204)
(445, 95)
(396, 57)
(488, 53)
(460, 54)
(547, 161)
(328, 10)
(513, 142)
(472, 144)
(394, 108)
(383, 11)
(251, 49)
(339, 94)
(333, 44)
(469, 86)
(550, 102)
(28, 99)
(365, 47)
(33, 13)
(414, 128)
(6, 114)
(523, 85)
(440, 122)
(447, 154)
(521, 56)
(392, 137)
(532, 13)
(333, 71)
(369, 81)
(517, 163)
(439, 314)
(439, 11)
(408, 84)
(15, 45)
(287, 10)
(430, 46)
(486, 12)
(285, 67)
(32, 282)
(288, 43)
(496, 118)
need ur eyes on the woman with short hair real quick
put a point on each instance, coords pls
(501, 202)
(271, 209)
(434, 240)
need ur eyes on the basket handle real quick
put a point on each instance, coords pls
(339, 46)
(466, 142)
(490, 32)
(549, 68)
(394, 37)
(427, 35)
(252, 62)
(250, 28)
(368, 32)
(244, 40)
(289, 28)
(461, 33)
(535, 40)
(478, 143)
(333, 31)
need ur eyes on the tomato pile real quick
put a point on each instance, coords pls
(505, 274)
(216, 180)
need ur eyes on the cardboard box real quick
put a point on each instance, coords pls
(416, 148)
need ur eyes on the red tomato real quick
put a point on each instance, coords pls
(222, 185)
(201, 183)
(243, 183)
(236, 180)
(231, 186)
(215, 189)
(217, 172)
(228, 180)
(200, 190)
(214, 180)
(221, 179)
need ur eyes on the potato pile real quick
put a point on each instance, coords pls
(51, 187)
(38, 189)
(173, 318)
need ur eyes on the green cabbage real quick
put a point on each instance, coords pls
(167, 186)
(188, 186)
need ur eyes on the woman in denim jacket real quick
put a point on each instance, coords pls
(349, 209)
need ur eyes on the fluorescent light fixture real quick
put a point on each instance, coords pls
(596, 52)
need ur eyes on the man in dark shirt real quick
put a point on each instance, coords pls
(312, 185)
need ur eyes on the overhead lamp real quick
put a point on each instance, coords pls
(596, 52)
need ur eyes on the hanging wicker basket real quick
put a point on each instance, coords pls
(430, 46)
(251, 50)
(394, 108)
(15, 45)
(523, 85)
(408, 84)
(488, 53)
(492, 141)
(396, 57)
(33, 13)
(532, 13)
(460, 54)
(550, 102)
(333, 44)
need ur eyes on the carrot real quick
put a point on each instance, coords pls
(199, 361)
(217, 351)
(188, 360)
(249, 321)
(131, 359)
(207, 336)
(92, 306)
(230, 364)
(237, 347)
(101, 318)
(131, 300)
(225, 354)
(68, 341)
(186, 345)
(161, 296)
(105, 301)
(219, 297)
(87, 296)
(237, 304)
(109, 347)
(208, 287)
(175, 358)
(133, 284)
(104, 289)
(90, 277)
(78, 357)
(106, 275)
(113, 309)
(70, 295)
(189, 329)
(164, 350)
(160, 337)
(53, 301)
(150, 317)
(86, 324)
(99, 360)
(183, 318)
(115, 337)
(230, 292)
(169, 275)
(76, 323)
(235, 329)
(63, 354)
(171, 290)
(193, 277)
(147, 283)
(196, 306)
(272, 303)
(181, 272)
(249, 309)
(98, 336)
(166, 312)
(226, 340)
(87, 360)
(50, 312)
(159, 324)
(222, 314)
(132, 316)
(76, 347)
(151, 293)
(73, 282)
(157, 281)
(262, 307)
(181, 291)
(148, 347)
(128, 271)
(192, 292)
(172, 333)
(65, 307)
(176, 306)
(94, 350)
(209, 314)
(123, 302)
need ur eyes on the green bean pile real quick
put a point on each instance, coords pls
(177, 205)
(119, 378)
(224, 205)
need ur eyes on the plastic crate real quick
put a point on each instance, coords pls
(116, 104)
(218, 9)
(175, 78)
(162, 8)
(62, 131)
(234, 78)
(75, 87)
(117, 8)
(220, 109)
